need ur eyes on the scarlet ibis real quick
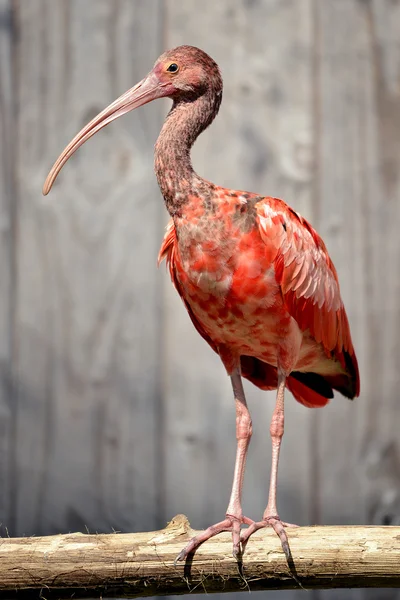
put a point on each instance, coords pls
(255, 277)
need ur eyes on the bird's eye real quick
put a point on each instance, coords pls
(173, 68)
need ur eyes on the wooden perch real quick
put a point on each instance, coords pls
(142, 564)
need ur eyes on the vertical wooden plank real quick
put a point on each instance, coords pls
(6, 229)
(339, 113)
(88, 314)
(261, 141)
(382, 444)
(358, 86)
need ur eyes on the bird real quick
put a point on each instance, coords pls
(255, 277)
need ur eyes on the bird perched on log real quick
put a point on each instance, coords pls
(255, 277)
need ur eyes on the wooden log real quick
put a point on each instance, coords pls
(142, 564)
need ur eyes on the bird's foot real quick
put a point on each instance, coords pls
(277, 525)
(231, 523)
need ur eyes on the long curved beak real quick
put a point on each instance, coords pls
(145, 91)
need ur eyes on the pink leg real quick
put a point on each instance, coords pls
(276, 430)
(270, 516)
(234, 517)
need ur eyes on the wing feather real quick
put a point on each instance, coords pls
(307, 276)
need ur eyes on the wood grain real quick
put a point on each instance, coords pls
(113, 412)
(88, 313)
(358, 214)
(142, 564)
(7, 232)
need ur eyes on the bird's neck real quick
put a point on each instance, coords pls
(173, 166)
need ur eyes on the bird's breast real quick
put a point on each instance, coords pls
(228, 281)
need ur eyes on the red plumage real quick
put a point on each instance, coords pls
(255, 277)
(308, 285)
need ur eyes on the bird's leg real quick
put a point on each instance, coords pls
(234, 517)
(276, 430)
(270, 516)
(244, 430)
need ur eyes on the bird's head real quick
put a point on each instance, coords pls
(183, 74)
(188, 73)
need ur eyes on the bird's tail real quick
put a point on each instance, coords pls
(310, 389)
(306, 395)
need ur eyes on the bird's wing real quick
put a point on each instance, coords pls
(307, 276)
(167, 252)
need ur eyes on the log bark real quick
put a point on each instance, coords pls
(142, 564)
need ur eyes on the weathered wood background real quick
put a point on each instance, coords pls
(113, 412)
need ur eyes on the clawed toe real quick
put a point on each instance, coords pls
(231, 523)
(277, 525)
(239, 538)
